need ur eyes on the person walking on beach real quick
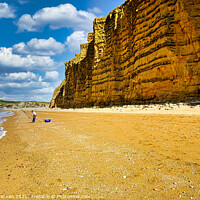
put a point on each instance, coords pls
(34, 116)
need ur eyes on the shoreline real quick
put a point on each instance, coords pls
(4, 119)
(95, 155)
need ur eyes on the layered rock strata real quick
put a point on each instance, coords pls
(144, 51)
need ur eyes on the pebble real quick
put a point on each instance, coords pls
(124, 176)
(179, 196)
(191, 186)
(68, 188)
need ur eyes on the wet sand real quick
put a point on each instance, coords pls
(101, 155)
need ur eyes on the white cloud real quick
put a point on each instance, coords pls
(51, 76)
(27, 86)
(23, 86)
(41, 47)
(22, 89)
(6, 11)
(22, 76)
(64, 15)
(26, 23)
(95, 10)
(21, 80)
(33, 96)
(26, 92)
(75, 39)
(23, 1)
(43, 91)
(10, 61)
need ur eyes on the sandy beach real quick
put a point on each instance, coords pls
(113, 153)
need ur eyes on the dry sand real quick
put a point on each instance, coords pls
(146, 153)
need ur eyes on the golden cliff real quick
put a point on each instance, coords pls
(144, 51)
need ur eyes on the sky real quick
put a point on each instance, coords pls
(37, 38)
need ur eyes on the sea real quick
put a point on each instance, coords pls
(4, 114)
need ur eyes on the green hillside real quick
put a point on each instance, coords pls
(22, 104)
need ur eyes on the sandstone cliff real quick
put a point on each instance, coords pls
(144, 51)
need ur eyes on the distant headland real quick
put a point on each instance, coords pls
(4, 104)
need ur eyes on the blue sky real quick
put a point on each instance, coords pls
(37, 37)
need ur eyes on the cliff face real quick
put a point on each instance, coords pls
(144, 51)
